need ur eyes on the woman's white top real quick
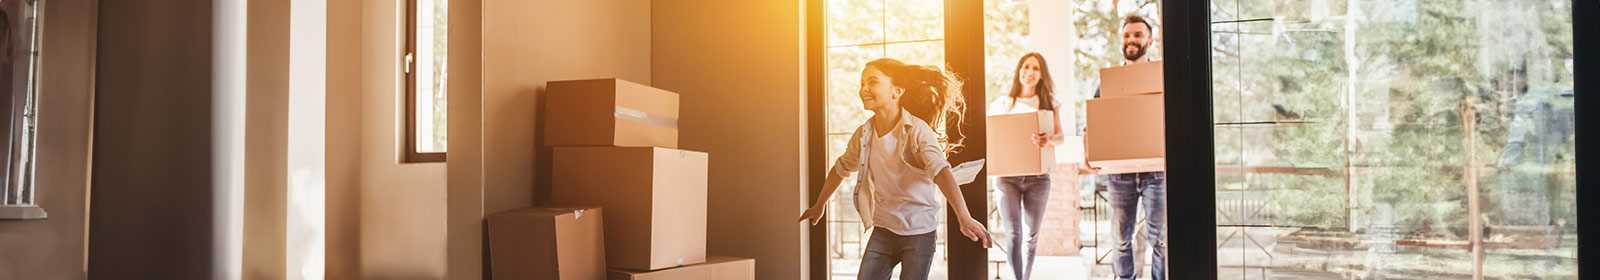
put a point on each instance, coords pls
(1005, 105)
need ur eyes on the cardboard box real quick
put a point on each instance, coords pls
(609, 112)
(715, 268)
(1011, 151)
(655, 201)
(1132, 79)
(1126, 134)
(547, 243)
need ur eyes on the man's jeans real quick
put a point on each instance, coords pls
(914, 253)
(1128, 191)
(1024, 201)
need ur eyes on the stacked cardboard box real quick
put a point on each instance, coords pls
(547, 243)
(610, 112)
(1126, 130)
(655, 200)
(715, 268)
(615, 147)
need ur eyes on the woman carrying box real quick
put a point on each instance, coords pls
(1024, 197)
(902, 161)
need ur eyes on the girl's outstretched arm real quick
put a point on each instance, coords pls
(828, 187)
(952, 194)
(846, 164)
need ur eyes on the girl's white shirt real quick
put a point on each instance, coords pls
(907, 200)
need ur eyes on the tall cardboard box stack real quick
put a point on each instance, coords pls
(615, 147)
(1126, 130)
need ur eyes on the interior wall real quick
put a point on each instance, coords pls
(343, 131)
(575, 40)
(152, 172)
(402, 205)
(266, 139)
(230, 46)
(739, 66)
(466, 136)
(54, 248)
(496, 159)
(305, 215)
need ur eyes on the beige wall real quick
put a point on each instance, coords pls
(534, 42)
(495, 162)
(266, 138)
(410, 224)
(344, 97)
(192, 127)
(305, 227)
(402, 206)
(151, 178)
(466, 135)
(387, 219)
(739, 67)
(53, 248)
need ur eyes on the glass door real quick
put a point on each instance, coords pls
(857, 32)
(1059, 224)
(1394, 139)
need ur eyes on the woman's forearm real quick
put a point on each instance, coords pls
(1058, 137)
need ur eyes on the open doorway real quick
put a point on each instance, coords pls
(1057, 221)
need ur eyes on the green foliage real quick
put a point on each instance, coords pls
(1099, 39)
(1005, 32)
(1383, 93)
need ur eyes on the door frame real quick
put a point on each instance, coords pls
(1191, 163)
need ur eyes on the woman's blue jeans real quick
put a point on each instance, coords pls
(1022, 207)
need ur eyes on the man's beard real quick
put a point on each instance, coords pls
(1135, 55)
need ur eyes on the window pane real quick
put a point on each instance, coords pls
(19, 82)
(1383, 145)
(1225, 69)
(1005, 39)
(431, 76)
(919, 53)
(844, 111)
(854, 22)
(915, 20)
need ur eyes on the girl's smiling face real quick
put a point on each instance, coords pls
(878, 91)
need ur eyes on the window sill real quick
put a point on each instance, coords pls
(22, 212)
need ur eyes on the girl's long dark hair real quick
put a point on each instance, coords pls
(1045, 90)
(932, 95)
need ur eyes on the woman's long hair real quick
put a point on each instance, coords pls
(932, 95)
(1045, 90)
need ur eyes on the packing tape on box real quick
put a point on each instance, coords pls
(645, 117)
(577, 214)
